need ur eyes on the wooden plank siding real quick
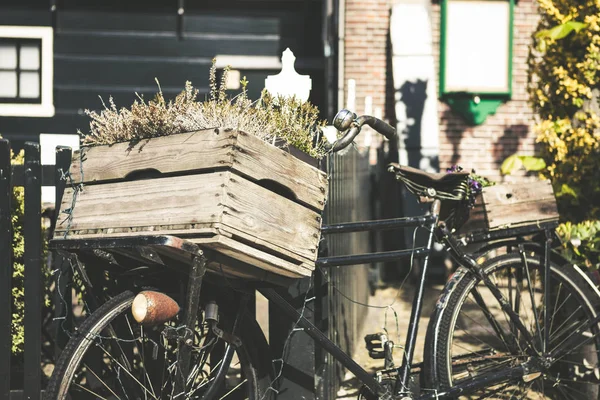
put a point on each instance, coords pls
(105, 49)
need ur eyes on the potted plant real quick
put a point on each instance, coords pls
(218, 172)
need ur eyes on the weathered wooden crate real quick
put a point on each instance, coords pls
(512, 205)
(223, 189)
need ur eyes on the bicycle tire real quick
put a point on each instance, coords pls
(452, 331)
(254, 363)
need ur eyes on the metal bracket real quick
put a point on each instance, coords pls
(226, 337)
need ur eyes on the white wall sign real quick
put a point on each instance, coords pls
(477, 46)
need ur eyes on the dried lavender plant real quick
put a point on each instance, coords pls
(269, 118)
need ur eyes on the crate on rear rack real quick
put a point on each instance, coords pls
(513, 205)
(222, 189)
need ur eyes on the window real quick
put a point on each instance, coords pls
(26, 71)
(20, 70)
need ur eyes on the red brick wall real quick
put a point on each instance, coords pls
(482, 147)
(367, 31)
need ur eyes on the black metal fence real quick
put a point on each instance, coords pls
(24, 372)
(314, 373)
(349, 200)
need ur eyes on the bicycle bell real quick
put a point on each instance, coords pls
(343, 120)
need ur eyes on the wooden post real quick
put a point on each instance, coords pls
(62, 294)
(33, 272)
(6, 253)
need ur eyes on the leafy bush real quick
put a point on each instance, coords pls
(564, 71)
(581, 242)
(268, 118)
(18, 244)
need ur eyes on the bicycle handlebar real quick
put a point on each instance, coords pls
(346, 120)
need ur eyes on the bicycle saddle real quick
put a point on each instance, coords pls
(449, 186)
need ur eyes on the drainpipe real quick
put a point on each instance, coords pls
(341, 52)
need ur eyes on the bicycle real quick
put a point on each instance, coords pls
(523, 324)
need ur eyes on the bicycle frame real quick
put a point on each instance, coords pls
(200, 258)
(431, 222)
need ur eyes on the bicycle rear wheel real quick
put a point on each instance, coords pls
(470, 336)
(113, 357)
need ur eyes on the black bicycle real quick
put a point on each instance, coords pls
(514, 321)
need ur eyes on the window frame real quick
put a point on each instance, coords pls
(24, 107)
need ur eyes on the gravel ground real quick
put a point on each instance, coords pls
(378, 318)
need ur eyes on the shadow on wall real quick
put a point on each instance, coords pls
(413, 95)
(508, 143)
(388, 198)
(455, 130)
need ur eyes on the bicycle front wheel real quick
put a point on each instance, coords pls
(113, 357)
(470, 336)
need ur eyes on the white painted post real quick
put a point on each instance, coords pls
(288, 82)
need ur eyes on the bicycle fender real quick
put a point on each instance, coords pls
(431, 336)
(449, 287)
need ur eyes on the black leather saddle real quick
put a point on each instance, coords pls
(449, 186)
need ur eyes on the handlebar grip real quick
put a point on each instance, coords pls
(382, 127)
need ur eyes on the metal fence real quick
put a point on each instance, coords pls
(349, 200)
(31, 176)
(314, 372)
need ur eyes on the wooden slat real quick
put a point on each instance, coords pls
(255, 257)
(127, 72)
(210, 208)
(519, 204)
(207, 149)
(517, 193)
(165, 201)
(261, 161)
(270, 218)
(72, 42)
(188, 151)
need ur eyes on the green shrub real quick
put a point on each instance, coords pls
(564, 71)
(564, 77)
(18, 245)
(581, 242)
(18, 304)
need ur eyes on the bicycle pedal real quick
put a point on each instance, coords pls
(375, 344)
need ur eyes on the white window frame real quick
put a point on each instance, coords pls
(46, 107)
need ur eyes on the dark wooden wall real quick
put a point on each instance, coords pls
(116, 48)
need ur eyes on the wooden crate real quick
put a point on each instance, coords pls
(512, 205)
(223, 189)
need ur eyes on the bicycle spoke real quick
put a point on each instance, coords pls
(568, 339)
(555, 336)
(89, 391)
(532, 296)
(490, 317)
(101, 380)
(234, 389)
(141, 352)
(555, 310)
(128, 373)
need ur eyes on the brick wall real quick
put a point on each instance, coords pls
(483, 147)
(366, 54)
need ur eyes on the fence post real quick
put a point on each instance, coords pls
(33, 272)
(5, 269)
(62, 294)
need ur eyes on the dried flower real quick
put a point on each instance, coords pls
(269, 118)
